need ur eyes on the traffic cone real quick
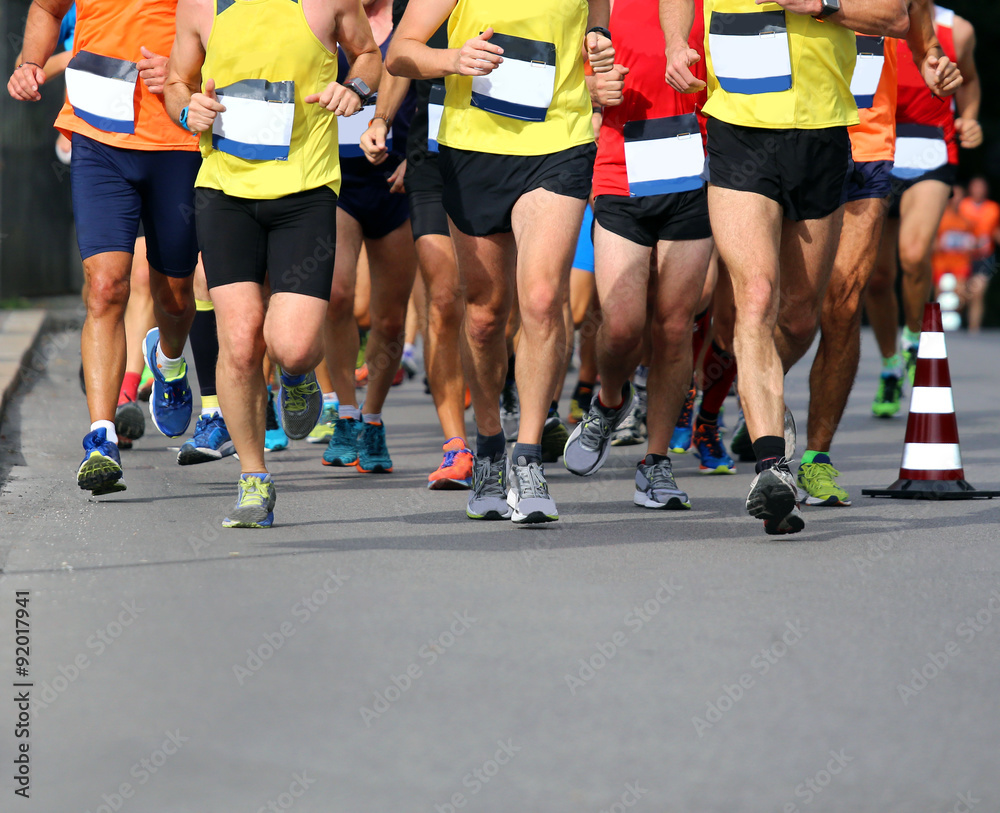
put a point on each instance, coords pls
(931, 468)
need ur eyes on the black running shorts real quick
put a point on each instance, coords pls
(806, 171)
(425, 188)
(480, 189)
(292, 240)
(647, 220)
(948, 174)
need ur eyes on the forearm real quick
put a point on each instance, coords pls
(921, 37)
(368, 68)
(41, 32)
(391, 93)
(599, 14)
(413, 59)
(177, 95)
(676, 20)
(968, 98)
(57, 64)
(878, 17)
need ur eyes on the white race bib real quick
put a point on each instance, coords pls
(919, 149)
(435, 110)
(867, 70)
(750, 52)
(257, 124)
(523, 85)
(102, 91)
(663, 156)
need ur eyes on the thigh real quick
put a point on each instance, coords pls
(106, 203)
(857, 251)
(438, 268)
(302, 242)
(239, 313)
(546, 226)
(392, 264)
(920, 212)
(682, 266)
(168, 211)
(345, 266)
(622, 275)
(747, 230)
(233, 242)
(486, 267)
(808, 249)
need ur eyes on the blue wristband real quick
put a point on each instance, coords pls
(184, 121)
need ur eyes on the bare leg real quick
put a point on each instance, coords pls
(102, 342)
(139, 316)
(341, 329)
(920, 211)
(881, 303)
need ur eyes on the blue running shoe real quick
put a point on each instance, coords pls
(342, 450)
(373, 456)
(275, 438)
(708, 448)
(170, 401)
(680, 441)
(254, 503)
(211, 441)
(101, 469)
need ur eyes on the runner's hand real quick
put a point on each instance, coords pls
(479, 56)
(679, 75)
(203, 108)
(970, 134)
(373, 142)
(24, 83)
(600, 52)
(608, 86)
(941, 75)
(396, 179)
(152, 70)
(339, 100)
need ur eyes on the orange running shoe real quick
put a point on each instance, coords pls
(397, 379)
(468, 397)
(361, 376)
(455, 471)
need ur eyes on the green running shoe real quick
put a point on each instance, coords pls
(323, 431)
(887, 398)
(910, 354)
(254, 503)
(816, 479)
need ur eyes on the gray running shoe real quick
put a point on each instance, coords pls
(589, 445)
(254, 504)
(632, 431)
(488, 499)
(301, 407)
(129, 421)
(528, 494)
(790, 434)
(510, 411)
(655, 486)
(554, 437)
(773, 497)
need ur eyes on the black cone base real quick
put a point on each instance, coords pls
(931, 490)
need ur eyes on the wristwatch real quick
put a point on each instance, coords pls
(829, 7)
(183, 118)
(359, 87)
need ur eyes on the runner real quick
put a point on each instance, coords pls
(259, 82)
(374, 212)
(779, 158)
(129, 164)
(927, 142)
(516, 157)
(650, 205)
(985, 216)
(873, 140)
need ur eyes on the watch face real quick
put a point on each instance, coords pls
(361, 86)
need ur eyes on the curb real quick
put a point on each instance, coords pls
(19, 332)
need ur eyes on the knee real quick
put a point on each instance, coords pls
(911, 257)
(106, 295)
(484, 323)
(543, 306)
(390, 323)
(757, 299)
(799, 324)
(673, 334)
(341, 303)
(241, 351)
(297, 355)
(842, 305)
(620, 334)
(445, 306)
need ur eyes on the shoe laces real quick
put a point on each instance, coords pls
(820, 472)
(253, 492)
(889, 388)
(708, 435)
(687, 411)
(487, 478)
(175, 390)
(295, 396)
(450, 457)
(530, 480)
(374, 440)
(597, 428)
(661, 475)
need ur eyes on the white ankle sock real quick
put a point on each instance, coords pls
(109, 428)
(170, 368)
(350, 412)
(372, 417)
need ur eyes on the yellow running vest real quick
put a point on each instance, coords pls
(265, 60)
(536, 102)
(775, 69)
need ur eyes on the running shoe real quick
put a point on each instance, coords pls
(373, 454)
(741, 445)
(910, 354)
(145, 383)
(528, 494)
(631, 431)
(361, 376)
(791, 434)
(888, 397)
(129, 421)
(410, 365)
(817, 481)
(510, 410)
(255, 498)
(399, 377)
(362, 348)
(301, 405)
(680, 441)
(773, 497)
(710, 450)
(579, 404)
(554, 437)
(275, 438)
(455, 471)
(211, 441)
(170, 402)
(589, 445)
(124, 443)
(342, 449)
(488, 499)
(101, 469)
(323, 430)
(655, 486)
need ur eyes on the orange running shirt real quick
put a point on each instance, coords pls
(985, 218)
(874, 139)
(109, 34)
(956, 241)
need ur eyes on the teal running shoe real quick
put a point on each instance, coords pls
(342, 449)
(254, 503)
(275, 438)
(373, 454)
(680, 441)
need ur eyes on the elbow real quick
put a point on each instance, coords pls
(899, 26)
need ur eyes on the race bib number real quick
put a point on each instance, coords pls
(523, 85)
(750, 52)
(663, 156)
(102, 91)
(257, 124)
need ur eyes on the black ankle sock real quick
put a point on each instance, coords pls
(491, 446)
(510, 369)
(768, 449)
(652, 459)
(530, 452)
(554, 409)
(205, 349)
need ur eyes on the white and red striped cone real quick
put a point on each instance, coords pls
(932, 461)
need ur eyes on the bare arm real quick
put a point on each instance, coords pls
(879, 17)
(940, 74)
(41, 35)
(354, 36)
(970, 95)
(410, 56)
(183, 84)
(391, 93)
(676, 19)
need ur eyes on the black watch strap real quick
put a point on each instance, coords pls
(600, 30)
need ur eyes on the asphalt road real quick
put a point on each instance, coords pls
(376, 651)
